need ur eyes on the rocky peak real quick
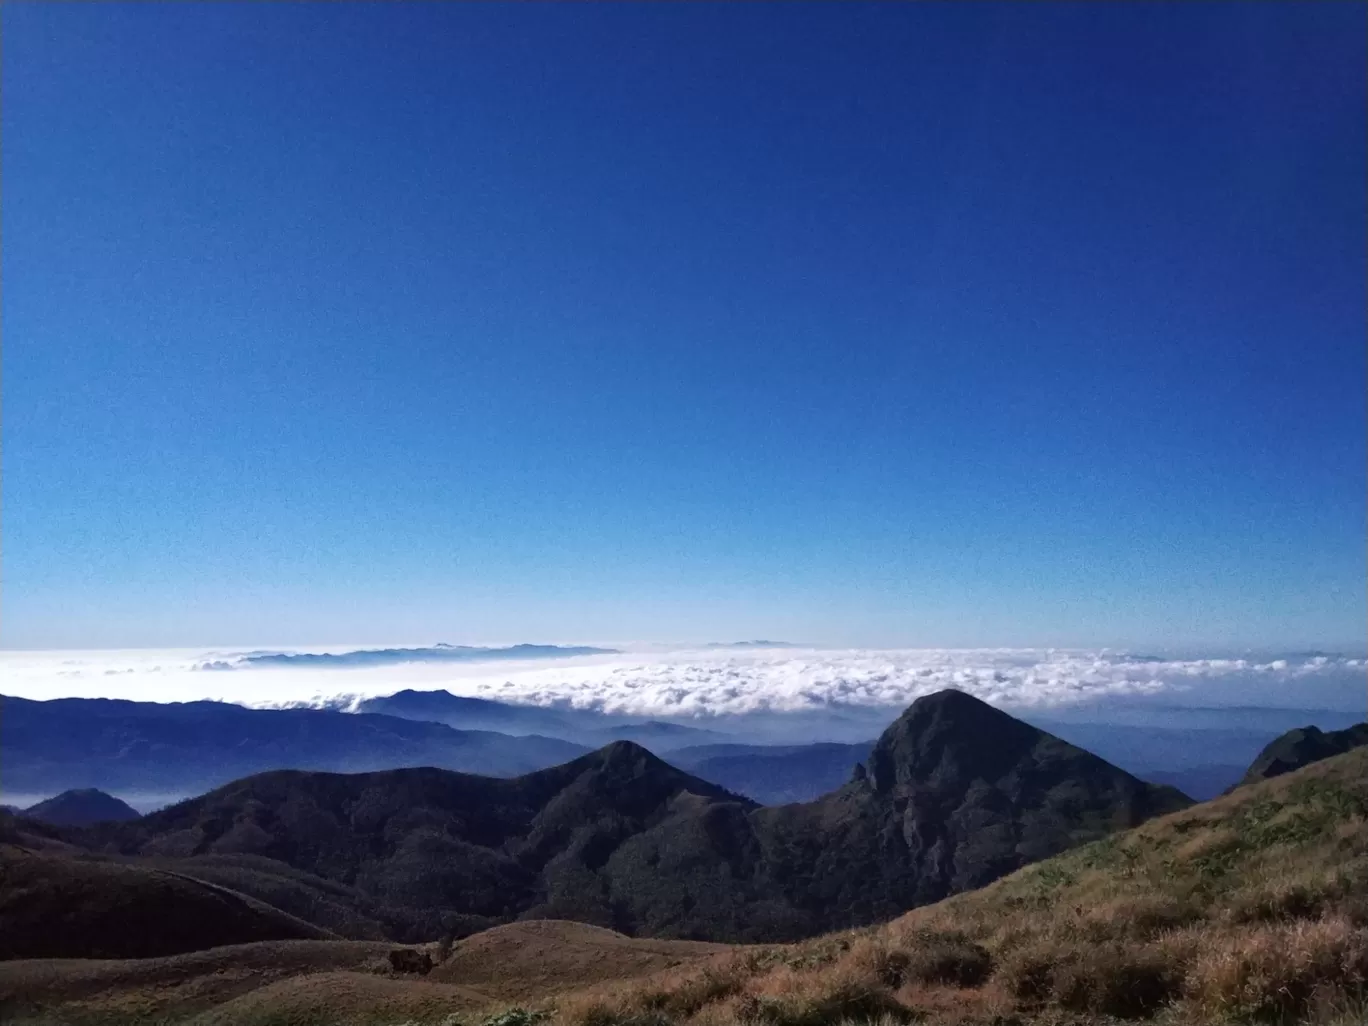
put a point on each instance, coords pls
(946, 740)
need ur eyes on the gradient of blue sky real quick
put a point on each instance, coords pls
(930, 324)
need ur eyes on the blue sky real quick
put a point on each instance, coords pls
(889, 324)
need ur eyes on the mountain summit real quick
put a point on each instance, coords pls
(81, 807)
(946, 739)
(976, 793)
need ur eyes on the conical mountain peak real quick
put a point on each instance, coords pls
(81, 807)
(949, 737)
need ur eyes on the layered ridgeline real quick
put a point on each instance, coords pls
(165, 751)
(584, 726)
(956, 794)
(158, 753)
(152, 754)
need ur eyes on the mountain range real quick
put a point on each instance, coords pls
(173, 749)
(153, 754)
(954, 794)
(583, 726)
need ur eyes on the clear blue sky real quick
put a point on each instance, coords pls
(931, 324)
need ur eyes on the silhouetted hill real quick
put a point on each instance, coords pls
(957, 794)
(1301, 747)
(61, 906)
(418, 840)
(175, 749)
(81, 807)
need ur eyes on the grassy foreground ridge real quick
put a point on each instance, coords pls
(1249, 908)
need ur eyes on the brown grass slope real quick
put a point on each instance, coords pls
(335, 982)
(61, 905)
(171, 988)
(1250, 908)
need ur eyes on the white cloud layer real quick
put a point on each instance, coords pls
(701, 683)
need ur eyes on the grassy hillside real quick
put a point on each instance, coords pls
(333, 906)
(60, 905)
(1250, 908)
(330, 983)
(178, 748)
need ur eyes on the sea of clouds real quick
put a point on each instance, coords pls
(660, 682)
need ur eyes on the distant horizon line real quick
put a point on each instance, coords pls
(1306, 650)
